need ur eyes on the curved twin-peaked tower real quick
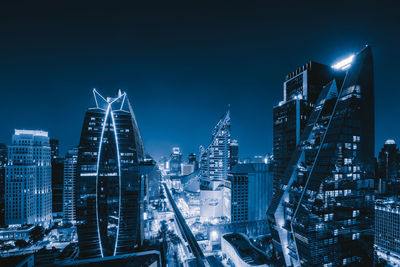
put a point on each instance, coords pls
(109, 188)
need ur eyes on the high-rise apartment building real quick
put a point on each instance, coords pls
(387, 233)
(321, 214)
(109, 184)
(300, 92)
(28, 179)
(70, 168)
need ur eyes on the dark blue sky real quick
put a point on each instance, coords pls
(183, 63)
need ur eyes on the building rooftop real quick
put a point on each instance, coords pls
(390, 142)
(146, 258)
(247, 252)
(31, 132)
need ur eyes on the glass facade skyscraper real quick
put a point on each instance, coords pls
(322, 211)
(109, 185)
(300, 92)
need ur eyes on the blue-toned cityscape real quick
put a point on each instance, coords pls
(108, 192)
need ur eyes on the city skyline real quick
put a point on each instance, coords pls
(218, 61)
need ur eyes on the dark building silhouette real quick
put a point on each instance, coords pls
(233, 153)
(389, 161)
(322, 212)
(3, 163)
(57, 185)
(55, 148)
(300, 92)
(109, 185)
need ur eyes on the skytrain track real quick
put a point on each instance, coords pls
(200, 259)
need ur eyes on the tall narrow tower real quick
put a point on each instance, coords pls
(109, 184)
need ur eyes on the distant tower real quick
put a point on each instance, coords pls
(28, 179)
(389, 161)
(233, 153)
(55, 148)
(175, 161)
(109, 184)
(70, 166)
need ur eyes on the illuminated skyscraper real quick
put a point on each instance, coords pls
(70, 168)
(109, 185)
(214, 166)
(28, 179)
(300, 91)
(322, 212)
(214, 160)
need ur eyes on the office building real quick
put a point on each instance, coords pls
(215, 201)
(109, 185)
(28, 179)
(321, 214)
(300, 92)
(70, 169)
(387, 234)
(251, 191)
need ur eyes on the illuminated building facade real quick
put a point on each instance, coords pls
(300, 91)
(321, 215)
(109, 184)
(28, 179)
(214, 168)
(214, 160)
(175, 161)
(70, 168)
(387, 234)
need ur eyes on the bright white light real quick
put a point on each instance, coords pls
(344, 64)
(31, 132)
(214, 235)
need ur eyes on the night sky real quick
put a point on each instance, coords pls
(183, 63)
